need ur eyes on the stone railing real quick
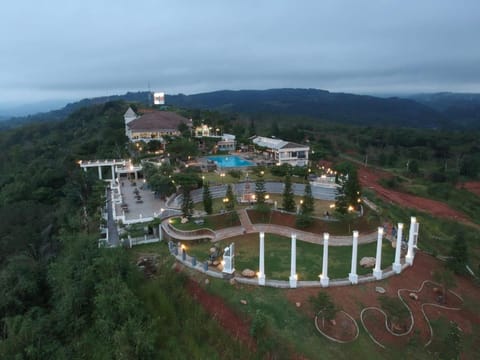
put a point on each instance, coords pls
(194, 234)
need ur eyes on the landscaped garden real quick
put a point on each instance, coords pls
(277, 256)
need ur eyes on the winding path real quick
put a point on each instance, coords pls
(412, 317)
(248, 228)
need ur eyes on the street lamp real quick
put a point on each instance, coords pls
(222, 175)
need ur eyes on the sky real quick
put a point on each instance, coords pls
(63, 49)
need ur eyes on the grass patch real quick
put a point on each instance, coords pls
(214, 222)
(364, 224)
(309, 256)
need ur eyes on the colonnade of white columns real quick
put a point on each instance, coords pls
(352, 276)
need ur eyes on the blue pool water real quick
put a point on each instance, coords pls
(230, 161)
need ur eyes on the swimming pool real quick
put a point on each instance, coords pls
(230, 161)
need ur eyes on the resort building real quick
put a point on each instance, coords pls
(227, 143)
(152, 125)
(283, 152)
(206, 131)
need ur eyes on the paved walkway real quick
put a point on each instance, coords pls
(248, 228)
(112, 225)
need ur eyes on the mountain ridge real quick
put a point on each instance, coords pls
(435, 110)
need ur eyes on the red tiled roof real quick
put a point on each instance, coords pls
(157, 120)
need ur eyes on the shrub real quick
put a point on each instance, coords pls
(303, 221)
(236, 174)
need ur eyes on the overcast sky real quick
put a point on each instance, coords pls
(62, 49)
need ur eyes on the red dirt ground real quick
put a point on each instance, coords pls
(352, 299)
(472, 186)
(225, 316)
(369, 178)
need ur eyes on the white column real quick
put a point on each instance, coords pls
(324, 280)
(353, 277)
(377, 271)
(397, 266)
(261, 272)
(100, 172)
(293, 263)
(410, 252)
(160, 232)
(113, 173)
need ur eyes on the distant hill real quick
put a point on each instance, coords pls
(319, 104)
(443, 110)
(462, 109)
(63, 113)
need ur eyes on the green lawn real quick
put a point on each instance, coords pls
(213, 222)
(309, 256)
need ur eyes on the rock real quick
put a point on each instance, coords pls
(298, 304)
(248, 273)
(244, 302)
(413, 296)
(184, 220)
(437, 290)
(216, 263)
(380, 290)
(207, 281)
(232, 281)
(333, 322)
(367, 262)
(213, 250)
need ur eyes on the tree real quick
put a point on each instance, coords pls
(251, 128)
(341, 202)
(353, 188)
(161, 185)
(260, 190)
(187, 203)
(207, 199)
(308, 204)
(182, 148)
(288, 198)
(446, 280)
(458, 255)
(230, 203)
(324, 306)
(349, 192)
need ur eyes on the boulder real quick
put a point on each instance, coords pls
(184, 220)
(298, 304)
(244, 302)
(232, 281)
(213, 250)
(333, 322)
(207, 281)
(367, 262)
(248, 273)
(380, 290)
(216, 263)
(413, 296)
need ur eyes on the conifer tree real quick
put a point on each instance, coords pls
(230, 203)
(207, 199)
(288, 199)
(458, 255)
(187, 203)
(260, 190)
(308, 204)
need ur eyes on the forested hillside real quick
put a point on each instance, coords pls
(317, 104)
(62, 297)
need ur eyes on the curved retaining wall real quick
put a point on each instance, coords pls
(219, 191)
